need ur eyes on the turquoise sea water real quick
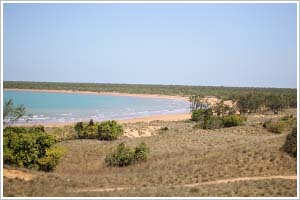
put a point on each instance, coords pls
(47, 107)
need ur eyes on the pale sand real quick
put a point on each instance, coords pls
(12, 174)
(104, 93)
(166, 117)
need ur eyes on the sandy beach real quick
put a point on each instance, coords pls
(103, 93)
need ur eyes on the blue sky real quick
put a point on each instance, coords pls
(189, 44)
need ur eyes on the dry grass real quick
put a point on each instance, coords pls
(180, 155)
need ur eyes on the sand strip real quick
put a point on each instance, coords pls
(156, 96)
(163, 117)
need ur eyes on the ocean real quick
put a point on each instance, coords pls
(49, 107)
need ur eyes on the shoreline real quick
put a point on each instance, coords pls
(155, 96)
(162, 117)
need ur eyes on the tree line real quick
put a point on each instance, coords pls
(180, 90)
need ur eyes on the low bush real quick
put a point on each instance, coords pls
(86, 130)
(290, 145)
(207, 121)
(123, 156)
(28, 147)
(141, 152)
(279, 125)
(109, 130)
(51, 158)
(213, 122)
(275, 126)
(164, 128)
(197, 115)
(233, 120)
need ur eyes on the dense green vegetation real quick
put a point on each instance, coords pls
(31, 148)
(87, 130)
(206, 120)
(107, 130)
(254, 102)
(123, 155)
(221, 92)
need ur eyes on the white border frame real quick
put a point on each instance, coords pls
(150, 2)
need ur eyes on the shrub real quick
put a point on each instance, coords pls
(141, 152)
(275, 126)
(213, 122)
(109, 130)
(198, 115)
(26, 146)
(164, 128)
(290, 145)
(86, 130)
(233, 120)
(51, 158)
(123, 156)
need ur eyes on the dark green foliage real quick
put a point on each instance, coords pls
(254, 101)
(120, 157)
(123, 156)
(28, 147)
(206, 120)
(91, 123)
(233, 120)
(164, 128)
(86, 130)
(290, 145)
(198, 115)
(78, 127)
(109, 130)
(213, 122)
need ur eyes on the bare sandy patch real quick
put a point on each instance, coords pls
(141, 131)
(12, 174)
(167, 117)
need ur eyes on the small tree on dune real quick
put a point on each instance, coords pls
(11, 114)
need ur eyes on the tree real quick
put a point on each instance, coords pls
(221, 109)
(198, 102)
(11, 114)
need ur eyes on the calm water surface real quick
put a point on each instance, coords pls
(47, 107)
